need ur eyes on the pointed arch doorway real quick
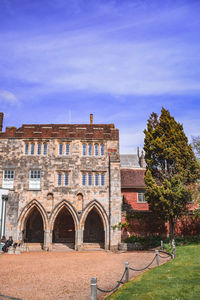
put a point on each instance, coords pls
(94, 232)
(34, 227)
(64, 228)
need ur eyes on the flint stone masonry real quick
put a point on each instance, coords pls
(51, 198)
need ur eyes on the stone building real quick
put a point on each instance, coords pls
(60, 183)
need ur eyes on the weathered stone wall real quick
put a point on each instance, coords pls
(50, 194)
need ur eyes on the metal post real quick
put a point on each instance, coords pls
(161, 245)
(93, 285)
(127, 271)
(173, 249)
(157, 257)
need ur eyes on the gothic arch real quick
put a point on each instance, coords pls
(100, 209)
(27, 210)
(58, 208)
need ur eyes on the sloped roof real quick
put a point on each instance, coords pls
(129, 161)
(132, 178)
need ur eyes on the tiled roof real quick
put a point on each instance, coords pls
(71, 131)
(129, 161)
(132, 178)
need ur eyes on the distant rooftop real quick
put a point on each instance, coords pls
(129, 161)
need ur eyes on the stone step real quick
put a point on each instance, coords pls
(33, 246)
(60, 247)
(88, 246)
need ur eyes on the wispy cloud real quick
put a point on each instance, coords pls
(8, 97)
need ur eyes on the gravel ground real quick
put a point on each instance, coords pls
(64, 275)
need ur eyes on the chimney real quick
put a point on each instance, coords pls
(91, 119)
(1, 121)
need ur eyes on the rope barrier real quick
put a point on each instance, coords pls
(118, 284)
(137, 270)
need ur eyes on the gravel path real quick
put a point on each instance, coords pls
(64, 275)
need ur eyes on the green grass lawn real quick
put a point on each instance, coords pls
(178, 279)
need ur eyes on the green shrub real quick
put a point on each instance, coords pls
(154, 241)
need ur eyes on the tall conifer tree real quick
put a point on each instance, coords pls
(171, 168)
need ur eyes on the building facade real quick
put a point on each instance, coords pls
(60, 183)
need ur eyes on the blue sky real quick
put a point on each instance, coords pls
(118, 59)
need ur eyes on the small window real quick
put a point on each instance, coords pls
(67, 149)
(96, 149)
(34, 179)
(141, 198)
(59, 179)
(96, 179)
(102, 150)
(102, 179)
(60, 149)
(83, 179)
(66, 179)
(84, 150)
(89, 179)
(90, 149)
(39, 148)
(8, 179)
(26, 148)
(45, 149)
(32, 149)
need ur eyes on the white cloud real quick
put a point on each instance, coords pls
(8, 97)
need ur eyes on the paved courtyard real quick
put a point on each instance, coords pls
(64, 275)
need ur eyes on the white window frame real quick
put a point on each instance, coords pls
(34, 179)
(8, 179)
(142, 194)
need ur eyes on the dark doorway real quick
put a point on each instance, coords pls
(64, 231)
(34, 227)
(93, 229)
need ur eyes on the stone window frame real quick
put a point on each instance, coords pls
(62, 174)
(66, 149)
(94, 175)
(96, 149)
(141, 197)
(28, 148)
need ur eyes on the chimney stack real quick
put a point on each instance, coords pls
(1, 121)
(91, 119)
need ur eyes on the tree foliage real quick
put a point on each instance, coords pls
(171, 167)
(196, 145)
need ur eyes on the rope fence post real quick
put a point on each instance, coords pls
(161, 245)
(157, 257)
(93, 285)
(173, 249)
(127, 271)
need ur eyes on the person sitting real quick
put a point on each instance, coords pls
(8, 243)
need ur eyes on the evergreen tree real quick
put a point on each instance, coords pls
(196, 146)
(171, 168)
